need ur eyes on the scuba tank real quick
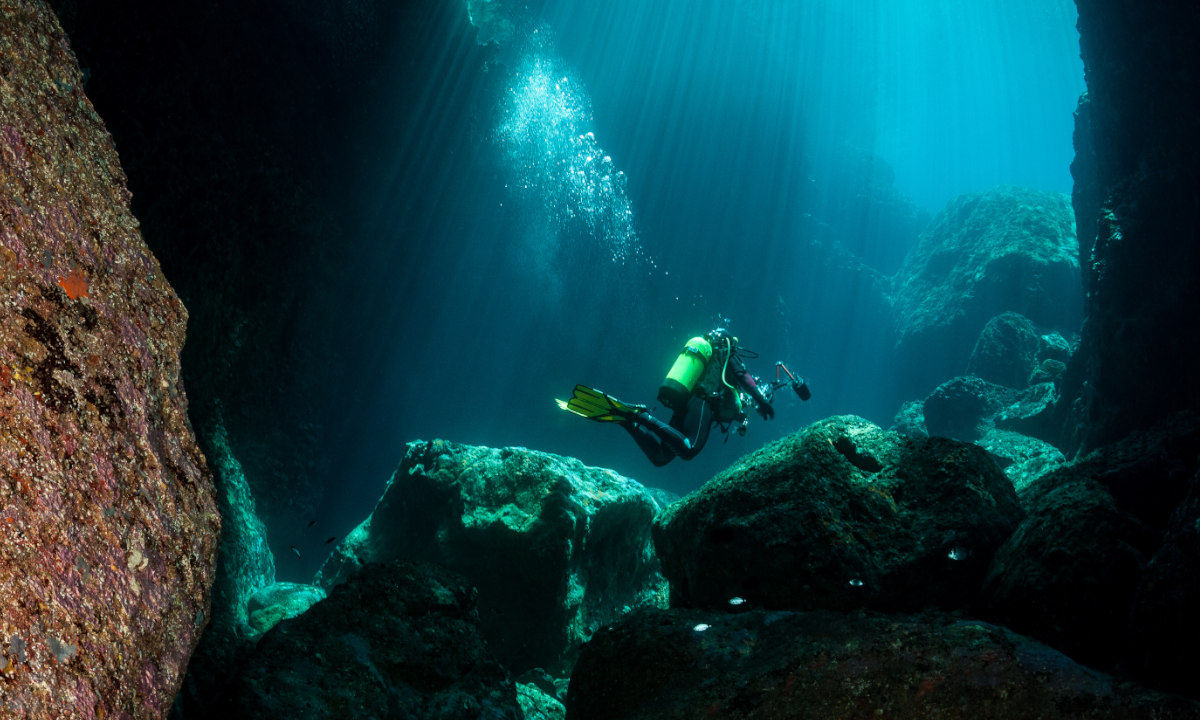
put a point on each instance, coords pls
(677, 388)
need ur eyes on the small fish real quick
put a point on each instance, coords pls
(331, 539)
(311, 523)
(296, 550)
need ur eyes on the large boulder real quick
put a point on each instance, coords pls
(674, 664)
(556, 548)
(964, 407)
(109, 525)
(840, 514)
(395, 641)
(1009, 249)
(1006, 351)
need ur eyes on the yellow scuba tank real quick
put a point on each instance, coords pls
(687, 370)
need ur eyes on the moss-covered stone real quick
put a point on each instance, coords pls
(556, 548)
(840, 514)
(1022, 458)
(279, 601)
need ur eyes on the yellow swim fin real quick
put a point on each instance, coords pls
(599, 406)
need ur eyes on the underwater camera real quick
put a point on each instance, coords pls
(801, 389)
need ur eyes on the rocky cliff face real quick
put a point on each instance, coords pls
(108, 524)
(1137, 170)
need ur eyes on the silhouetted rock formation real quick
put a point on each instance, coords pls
(556, 548)
(840, 514)
(395, 641)
(963, 407)
(1009, 249)
(1137, 174)
(660, 664)
(1110, 537)
(108, 521)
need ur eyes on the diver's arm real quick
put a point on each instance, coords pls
(743, 378)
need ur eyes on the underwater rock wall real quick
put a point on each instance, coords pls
(109, 525)
(1137, 174)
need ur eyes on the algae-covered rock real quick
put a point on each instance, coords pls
(910, 419)
(1032, 412)
(1009, 249)
(1022, 458)
(840, 514)
(556, 548)
(1006, 351)
(399, 640)
(537, 704)
(245, 565)
(675, 664)
(280, 601)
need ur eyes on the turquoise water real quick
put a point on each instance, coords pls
(574, 199)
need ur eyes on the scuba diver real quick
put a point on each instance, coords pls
(707, 384)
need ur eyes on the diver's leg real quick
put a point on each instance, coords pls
(648, 440)
(697, 420)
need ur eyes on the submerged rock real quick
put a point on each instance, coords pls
(1009, 249)
(963, 407)
(1164, 624)
(1068, 574)
(660, 664)
(278, 602)
(395, 641)
(1022, 458)
(840, 514)
(108, 520)
(1075, 571)
(245, 565)
(1006, 351)
(556, 548)
(910, 419)
(1033, 412)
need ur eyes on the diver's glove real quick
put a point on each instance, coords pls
(765, 409)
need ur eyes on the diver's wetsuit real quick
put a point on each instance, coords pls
(683, 438)
(688, 430)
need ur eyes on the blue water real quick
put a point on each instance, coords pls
(573, 204)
